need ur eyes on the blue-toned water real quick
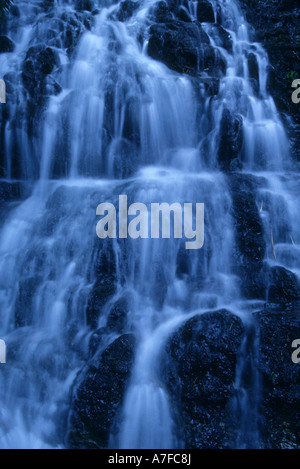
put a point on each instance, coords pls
(123, 123)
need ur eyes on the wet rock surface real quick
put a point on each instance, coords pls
(276, 26)
(39, 62)
(249, 234)
(199, 370)
(6, 44)
(231, 139)
(280, 406)
(99, 395)
(105, 285)
(283, 286)
(184, 47)
(199, 364)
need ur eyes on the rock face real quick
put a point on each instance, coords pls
(105, 285)
(99, 395)
(199, 362)
(184, 47)
(162, 13)
(283, 286)
(118, 316)
(249, 234)
(84, 5)
(199, 371)
(39, 62)
(102, 291)
(276, 27)
(126, 9)
(6, 44)
(231, 139)
(205, 12)
(280, 408)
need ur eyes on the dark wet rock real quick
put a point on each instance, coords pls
(117, 318)
(6, 44)
(106, 259)
(253, 71)
(98, 340)
(131, 126)
(184, 15)
(248, 260)
(221, 37)
(199, 370)
(230, 138)
(283, 286)
(44, 59)
(280, 407)
(162, 13)
(12, 193)
(126, 9)
(75, 24)
(99, 395)
(14, 10)
(275, 25)
(211, 85)
(51, 86)
(24, 304)
(125, 157)
(9, 191)
(39, 62)
(84, 5)
(205, 12)
(105, 286)
(102, 291)
(185, 48)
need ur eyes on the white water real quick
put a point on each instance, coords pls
(50, 240)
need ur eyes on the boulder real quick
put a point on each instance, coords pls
(6, 44)
(98, 396)
(205, 12)
(253, 71)
(283, 286)
(75, 24)
(12, 193)
(162, 13)
(103, 289)
(98, 340)
(248, 259)
(126, 9)
(39, 62)
(117, 318)
(185, 48)
(280, 406)
(221, 37)
(199, 371)
(184, 15)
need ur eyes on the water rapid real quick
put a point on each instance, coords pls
(108, 119)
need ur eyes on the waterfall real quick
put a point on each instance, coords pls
(91, 115)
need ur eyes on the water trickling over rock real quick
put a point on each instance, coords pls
(117, 343)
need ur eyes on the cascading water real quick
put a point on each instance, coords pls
(120, 122)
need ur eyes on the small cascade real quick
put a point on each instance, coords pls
(91, 115)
